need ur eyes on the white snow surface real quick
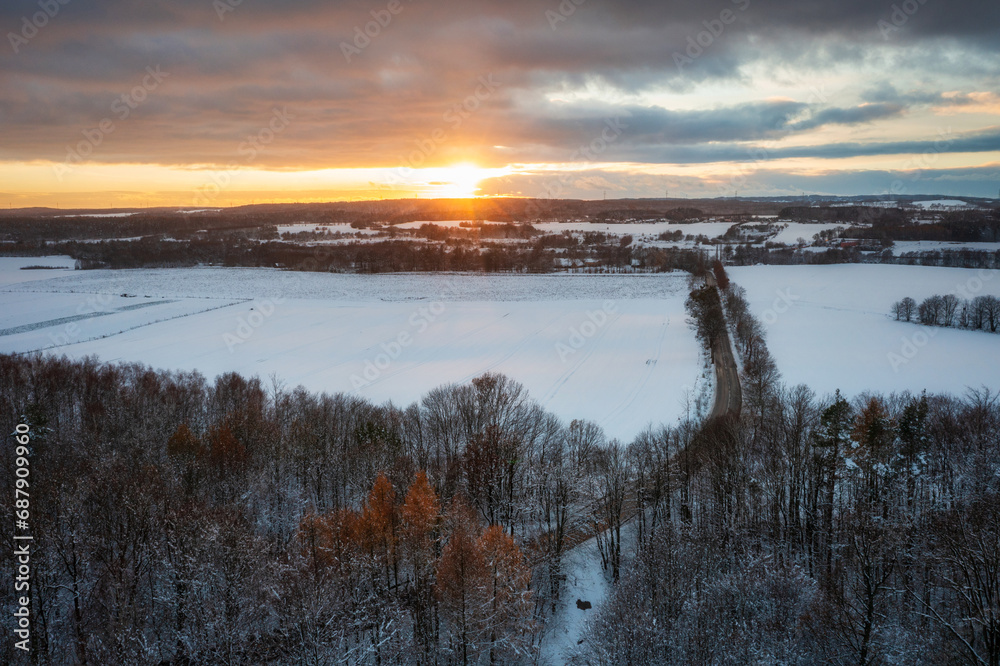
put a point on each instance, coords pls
(442, 223)
(791, 234)
(638, 229)
(99, 215)
(829, 327)
(11, 268)
(612, 349)
(310, 227)
(900, 247)
(941, 203)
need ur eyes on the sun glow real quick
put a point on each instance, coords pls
(456, 181)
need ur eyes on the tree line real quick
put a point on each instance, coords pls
(981, 313)
(543, 255)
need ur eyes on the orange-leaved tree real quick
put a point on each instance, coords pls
(461, 583)
(508, 594)
(380, 519)
(419, 518)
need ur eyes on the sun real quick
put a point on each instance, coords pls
(458, 180)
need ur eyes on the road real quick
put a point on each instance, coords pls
(728, 402)
(728, 394)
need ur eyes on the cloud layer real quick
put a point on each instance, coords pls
(392, 83)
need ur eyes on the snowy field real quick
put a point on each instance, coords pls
(442, 223)
(99, 215)
(941, 203)
(901, 247)
(12, 269)
(829, 327)
(612, 349)
(638, 229)
(791, 234)
(307, 227)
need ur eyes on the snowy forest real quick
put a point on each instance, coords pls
(241, 521)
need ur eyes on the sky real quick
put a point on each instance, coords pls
(212, 103)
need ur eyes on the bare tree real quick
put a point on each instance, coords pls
(949, 309)
(613, 487)
(991, 312)
(929, 311)
(904, 309)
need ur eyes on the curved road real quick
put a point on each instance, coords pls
(728, 395)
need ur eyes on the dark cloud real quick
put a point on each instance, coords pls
(591, 184)
(419, 77)
(933, 147)
(887, 93)
(850, 116)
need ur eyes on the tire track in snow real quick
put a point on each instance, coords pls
(650, 368)
(428, 355)
(566, 376)
(130, 328)
(509, 355)
(26, 328)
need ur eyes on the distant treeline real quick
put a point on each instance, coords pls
(600, 252)
(750, 255)
(867, 215)
(897, 224)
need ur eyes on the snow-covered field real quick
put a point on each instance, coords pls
(612, 349)
(308, 227)
(791, 234)
(900, 247)
(829, 327)
(442, 223)
(99, 215)
(941, 203)
(638, 229)
(12, 268)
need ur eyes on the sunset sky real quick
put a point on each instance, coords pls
(217, 103)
